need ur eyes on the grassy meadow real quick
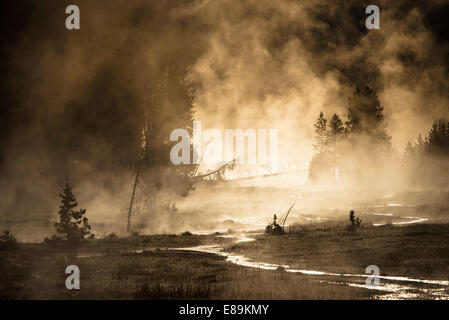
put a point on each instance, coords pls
(140, 267)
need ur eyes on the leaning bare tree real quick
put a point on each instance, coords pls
(157, 181)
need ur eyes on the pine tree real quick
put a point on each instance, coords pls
(336, 125)
(409, 151)
(365, 116)
(436, 141)
(73, 224)
(157, 181)
(321, 137)
(428, 157)
(336, 130)
(319, 167)
(419, 145)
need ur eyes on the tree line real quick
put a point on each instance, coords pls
(339, 143)
(427, 160)
(359, 148)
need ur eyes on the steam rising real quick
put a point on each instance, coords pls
(71, 99)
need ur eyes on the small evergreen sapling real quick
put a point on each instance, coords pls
(73, 224)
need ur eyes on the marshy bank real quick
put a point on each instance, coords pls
(151, 267)
(322, 261)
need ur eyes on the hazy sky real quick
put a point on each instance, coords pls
(255, 64)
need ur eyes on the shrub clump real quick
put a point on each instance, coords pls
(355, 223)
(8, 241)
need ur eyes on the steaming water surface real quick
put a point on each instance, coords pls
(389, 288)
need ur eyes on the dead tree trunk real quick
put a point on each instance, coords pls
(128, 225)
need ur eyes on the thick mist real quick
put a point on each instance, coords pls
(72, 100)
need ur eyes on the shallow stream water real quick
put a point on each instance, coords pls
(389, 287)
